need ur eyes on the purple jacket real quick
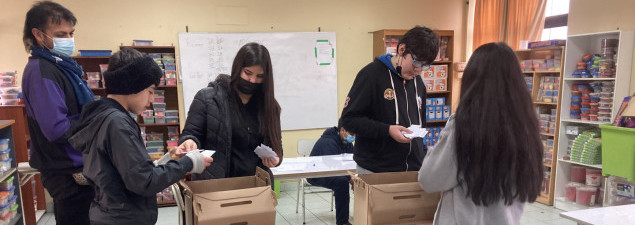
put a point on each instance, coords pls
(52, 114)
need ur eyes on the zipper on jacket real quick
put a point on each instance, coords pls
(409, 120)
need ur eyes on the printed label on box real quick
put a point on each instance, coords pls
(441, 71)
(438, 110)
(446, 112)
(429, 84)
(440, 84)
(439, 101)
(428, 74)
(431, 113)
(429, 101)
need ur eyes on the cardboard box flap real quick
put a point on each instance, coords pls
(260, 179)
(234, 194)
(245, 206)
(389, 178)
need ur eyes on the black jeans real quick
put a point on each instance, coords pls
(340, 187)
(71, 200)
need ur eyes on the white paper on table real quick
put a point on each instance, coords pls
(264, 151)
(417, 131)
(345, 157)
(290, 167)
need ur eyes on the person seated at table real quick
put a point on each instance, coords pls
(335, 141)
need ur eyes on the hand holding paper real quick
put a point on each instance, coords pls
(264, 151)
(417, 131)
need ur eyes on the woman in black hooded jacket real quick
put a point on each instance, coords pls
(234, 115)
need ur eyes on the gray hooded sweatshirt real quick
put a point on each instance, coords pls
(438, 173)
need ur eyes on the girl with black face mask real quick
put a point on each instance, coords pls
(234, 115)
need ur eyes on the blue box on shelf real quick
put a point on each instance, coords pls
(95, 52)
(548, 43)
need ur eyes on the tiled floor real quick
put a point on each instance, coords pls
(319, 211)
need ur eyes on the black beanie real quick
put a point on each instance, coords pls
(133, 77)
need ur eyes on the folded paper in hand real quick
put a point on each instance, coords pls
(264, 151)
(207, 153)
(417, 131)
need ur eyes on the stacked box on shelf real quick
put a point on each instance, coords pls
(550, 62)
(586, 148)
(436, 109)
(547, 122)
(547, 143)
(391, 44)
(436, 78)
(173, 137)
(592, 101)
(93, 79)
(165, 196)
(599, 65)
(432, 136)
(167, 64)
(154, 144)
(549, 89)
(530, 83)
(9, 91)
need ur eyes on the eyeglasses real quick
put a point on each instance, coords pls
(419, 64)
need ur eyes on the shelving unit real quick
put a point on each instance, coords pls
(32, 193)
(6, 131)
(577, 46)
(381, 37)
(542, 107)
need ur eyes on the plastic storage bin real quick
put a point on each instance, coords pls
(618, 151)
(4, 143)
(586, 195)
(142, 42)
(13, 200)
(171, 112)
(159, 119)
(10, 90)
(5, 165)
(6, 184)
(4, 210)
(4, 197)
(9, 101)
(4, 154)
(171, 119)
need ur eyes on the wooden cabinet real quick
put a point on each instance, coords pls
(439, 80)
(32, 193)
(10, 175)
(542, 70)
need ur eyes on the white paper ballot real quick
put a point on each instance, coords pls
(207, 153)
(417, 131)
(264, 151)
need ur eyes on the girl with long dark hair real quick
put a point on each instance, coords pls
(234, 115)
(488, 161)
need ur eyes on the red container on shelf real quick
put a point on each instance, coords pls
(593, 177)
(586, 195)
(570, 190)
(578, 174)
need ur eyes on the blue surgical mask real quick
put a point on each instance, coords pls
(63, 46)
(350, 139)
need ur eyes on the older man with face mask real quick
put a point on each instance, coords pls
(54, 94)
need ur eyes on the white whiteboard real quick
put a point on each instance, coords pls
(305, 78)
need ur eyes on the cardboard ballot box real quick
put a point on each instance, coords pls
(238, 200)
(392, 198)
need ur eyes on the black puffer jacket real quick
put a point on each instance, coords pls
(118, 167)
(209, 125)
